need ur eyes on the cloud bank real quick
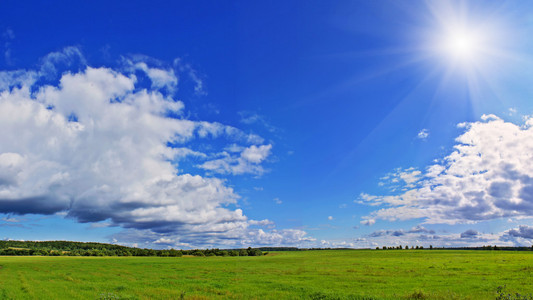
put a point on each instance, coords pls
(102, 144)
(489, 175)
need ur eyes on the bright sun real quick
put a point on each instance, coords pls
(467, 43)
(462, 45)
(461, 39)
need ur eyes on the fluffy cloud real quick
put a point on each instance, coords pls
(99, 146)
(470, 234)
(236, 237)
(247, 160)
(523, 231)
(489, 175)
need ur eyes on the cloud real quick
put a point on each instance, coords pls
(522, 231)
(401, 179)
(277, 201)
(422, 236)
(248, 160)
(238, 237)
(489, 175)
(8, 36)
(387, 233)
(368, 222)
(199, 84)
(470, 234)
(97, 145)
(423, 134)
(69, 57)
(159, 76)
(330, 218)
(248, 117)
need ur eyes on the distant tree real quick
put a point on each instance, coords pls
(430, 247)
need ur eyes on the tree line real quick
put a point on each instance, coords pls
(67, 248)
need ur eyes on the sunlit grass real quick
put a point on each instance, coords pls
(357, 274)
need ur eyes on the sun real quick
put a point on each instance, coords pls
(462, 37)
(462, 45)
(467, 44)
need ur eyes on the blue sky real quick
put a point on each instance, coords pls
(238, 123)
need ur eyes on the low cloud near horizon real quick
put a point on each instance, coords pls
(98, 146)
(489, 175)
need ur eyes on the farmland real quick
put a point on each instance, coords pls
(327, 274)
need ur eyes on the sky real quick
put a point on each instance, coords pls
(200, 124)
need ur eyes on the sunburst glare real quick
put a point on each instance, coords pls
(472, 49)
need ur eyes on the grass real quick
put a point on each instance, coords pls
(350, 274)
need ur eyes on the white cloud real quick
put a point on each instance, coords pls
(161, 78)
(247, 161)
(368, 222)
(277, 201)
(489, 175)
(199, 84)
(330, 218)
(236, 237)
(97, 148)
(423, 134)
(401, 179)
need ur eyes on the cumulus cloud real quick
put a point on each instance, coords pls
(522, 231)
(470, 234)
(247, 160)
(97, 145)
(488, 175)
(237, 237)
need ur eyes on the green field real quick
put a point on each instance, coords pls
(335, 274)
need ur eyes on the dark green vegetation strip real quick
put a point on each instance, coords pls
(350, 274)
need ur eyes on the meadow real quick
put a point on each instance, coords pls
(325, 274)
